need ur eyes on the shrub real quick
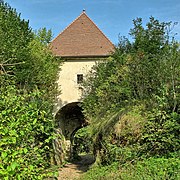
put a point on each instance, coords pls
(26, 133)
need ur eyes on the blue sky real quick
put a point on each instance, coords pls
(113, 17)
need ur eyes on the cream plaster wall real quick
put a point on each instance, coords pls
(71, 91)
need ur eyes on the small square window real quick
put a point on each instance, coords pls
(79, 78)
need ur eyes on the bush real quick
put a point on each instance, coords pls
(137, 91)
(82, 141)
(26, 133)
(28, 73)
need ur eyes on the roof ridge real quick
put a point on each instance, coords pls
(98, 28)
(84, 12)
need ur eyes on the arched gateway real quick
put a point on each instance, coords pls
(80, 45)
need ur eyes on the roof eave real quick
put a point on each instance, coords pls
(85, 56)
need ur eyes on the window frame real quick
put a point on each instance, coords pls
(80, 78)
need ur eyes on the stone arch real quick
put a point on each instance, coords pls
(69, 118)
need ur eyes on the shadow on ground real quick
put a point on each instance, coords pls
(85, 162)
(73, 170)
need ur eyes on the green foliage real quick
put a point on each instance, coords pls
(100, 172)
(27, 86)
(26, 132)
(42, 68)
(152, 168)
(83, 141)
(161, 133)
(15, 36)
(24, 54)
(44, 35)
(132, 99)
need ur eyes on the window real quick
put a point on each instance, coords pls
(79, 78)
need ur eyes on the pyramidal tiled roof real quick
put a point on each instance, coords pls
(82, 38)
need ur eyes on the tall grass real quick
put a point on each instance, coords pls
(147, 169)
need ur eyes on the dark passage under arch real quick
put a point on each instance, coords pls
(70, 118)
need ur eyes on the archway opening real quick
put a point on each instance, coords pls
(72, 123)
(70, 118)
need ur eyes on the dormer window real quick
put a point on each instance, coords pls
(79, 78)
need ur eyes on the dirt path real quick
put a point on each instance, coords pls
(74, 170)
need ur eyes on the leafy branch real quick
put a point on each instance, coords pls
(3, 70)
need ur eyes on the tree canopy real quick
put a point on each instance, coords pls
(137, 88)
(28, 72)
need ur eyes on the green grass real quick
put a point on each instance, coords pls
(148, 169)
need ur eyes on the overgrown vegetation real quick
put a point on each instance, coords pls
(151, 168)
(133, 103)
(83, 141)
(27, 86)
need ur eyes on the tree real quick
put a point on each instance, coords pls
(140, 79)
(15, 36)
(27, 87)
